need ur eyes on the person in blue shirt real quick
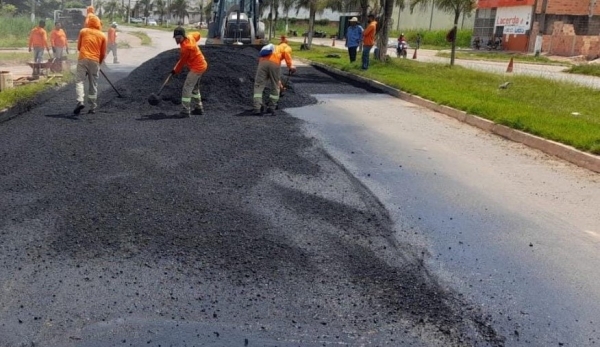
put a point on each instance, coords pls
(353, 38)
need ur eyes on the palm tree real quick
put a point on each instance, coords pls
(111, 8)
(180, 8)
(99, 5)
(146, 6)
(287, 6)
(457, 7)
(161, 8)
(314, 7)
(384, 24)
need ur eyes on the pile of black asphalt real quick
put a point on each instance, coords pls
(131, 227)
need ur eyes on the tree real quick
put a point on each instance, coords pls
(287, 6)
(384, 24)
(161, 8)
(180, 8)
(99, 7)
(111, 9)
(314, 7)
(457, 7)
(146, 7)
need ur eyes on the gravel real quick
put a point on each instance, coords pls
(132, 227)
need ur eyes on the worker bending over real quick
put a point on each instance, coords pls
(58, 41)
(38, 40)
(91, 45)
(269, 71)
(112, 42)
(191, 56)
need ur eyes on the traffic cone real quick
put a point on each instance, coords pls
(510, 66)
(415, 54)
(333, 42)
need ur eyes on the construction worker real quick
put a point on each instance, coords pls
(287, 48)
(368, 40)
(58, 41)
(191, 56)
(269, 71)
(90, 12)
(91, 45)
(112, 42)
(353, 38)
(38, 40)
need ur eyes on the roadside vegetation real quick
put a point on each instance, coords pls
(502, 56)
(146, 40)
(558, 111)
(585, 69)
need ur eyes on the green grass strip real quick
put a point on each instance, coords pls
(559, 111)
(146, 40)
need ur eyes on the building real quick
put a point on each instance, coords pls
(556, 27)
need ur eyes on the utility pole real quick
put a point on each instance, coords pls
(129, 12)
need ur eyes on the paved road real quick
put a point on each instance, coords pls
(310, 257)
(515, 230)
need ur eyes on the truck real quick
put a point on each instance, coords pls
(72, 20)
(236, 22)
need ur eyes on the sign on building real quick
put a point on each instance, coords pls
(503, 3)
(515, 20)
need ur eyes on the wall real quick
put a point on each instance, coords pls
(574, 7)
(564, 42)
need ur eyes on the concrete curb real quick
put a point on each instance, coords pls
(568, 153)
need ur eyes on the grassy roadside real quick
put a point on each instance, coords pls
(558, 111)
(146, 40)
(585, 69)
(11, 97)
(502, 57)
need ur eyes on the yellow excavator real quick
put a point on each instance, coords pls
(237, 23)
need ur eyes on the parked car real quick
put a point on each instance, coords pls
(152, 22)
(136, 20)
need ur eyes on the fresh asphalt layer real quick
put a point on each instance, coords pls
(131, 227)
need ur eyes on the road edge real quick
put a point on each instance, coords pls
(556, 149)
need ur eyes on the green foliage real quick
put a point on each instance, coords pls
(558, 111)
(14, 31)
(74, 4)
(7, 10)
(587, 69)
(436, 38)
(11, 97)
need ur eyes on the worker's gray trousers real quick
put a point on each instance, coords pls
(112, 48)
(58, 52)
(91, 68)
(38, 54)
(190, 95)
(266, 73)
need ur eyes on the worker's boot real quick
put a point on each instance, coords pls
(198, 111)
(184, 114)
(78, 108)
(115, 61)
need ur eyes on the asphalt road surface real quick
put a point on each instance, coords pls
(350, 219)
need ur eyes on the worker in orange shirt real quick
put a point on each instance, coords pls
(90, 13)
(284, 44)
(58, 41)
(269, 71)
(91, 45)
(191, 56)
(38, 40)
(112, 42)
(368, 40)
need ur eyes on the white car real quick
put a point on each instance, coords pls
(152, 22)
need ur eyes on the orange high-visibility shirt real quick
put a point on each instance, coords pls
(191, 55)
(38, 38)
(58, 38)
(112, 36)
(91, 43)
(282, 52)
(369, 34)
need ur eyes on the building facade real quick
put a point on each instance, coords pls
(556, 27)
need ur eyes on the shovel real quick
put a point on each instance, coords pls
(153, 98)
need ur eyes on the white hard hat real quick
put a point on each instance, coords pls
(353, 19)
